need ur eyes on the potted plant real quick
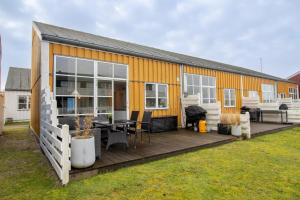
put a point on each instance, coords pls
(224, 127)
(236, 125)
(83, 144)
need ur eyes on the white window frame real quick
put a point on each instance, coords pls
(156, 96)
(251, 92)
(293, 92)
(270, 92)
(282, 95)
(27, 103)
(230, 91)
(201, 86)
(95, 78)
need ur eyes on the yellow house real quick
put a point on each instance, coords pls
(95, 75)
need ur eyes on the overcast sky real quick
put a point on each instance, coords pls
(237, 32)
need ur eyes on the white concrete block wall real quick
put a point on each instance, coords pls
(11, 106)
(245, 124)
(213, 115)
(213, 111)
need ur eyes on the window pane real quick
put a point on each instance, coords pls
(162, 102)
(189, 79)
(65, 105)
(65, 65)
(213, 100)
(85, 86)
(205, 80)
(227, 102)
(65, 85)
(85, 67)
(150, 103)
(103, 117)
(212, 81)
(85, 105)
(232, 102)
(162, 91)
(205, 100)
(105, 69)
(213, 93)
(104, 104)
(150, 90)
(196, 80)
(104, 88)
(22, 106)
(120, 71)
(23, 99)
(196, 90)
(190, 90)
(205, 93)
(29, 101)
(232, 94)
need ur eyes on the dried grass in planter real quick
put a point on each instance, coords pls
(86, 132)
(230, 119)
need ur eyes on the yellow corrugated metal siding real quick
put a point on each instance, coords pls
(283, 87)
(141, 70)
(223, 80)
(233, 81)
(251, 83)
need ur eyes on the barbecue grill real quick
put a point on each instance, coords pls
(194, 114)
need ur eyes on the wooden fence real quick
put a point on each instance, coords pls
(55, 141)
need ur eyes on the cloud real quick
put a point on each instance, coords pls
(235, 32)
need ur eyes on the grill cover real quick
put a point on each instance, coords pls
(195, 113)
(283, 107)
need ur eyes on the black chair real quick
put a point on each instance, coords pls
(146, 124)
(116, 137)
(132, 128)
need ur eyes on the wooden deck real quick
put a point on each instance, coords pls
(265, 128)
(163, 145)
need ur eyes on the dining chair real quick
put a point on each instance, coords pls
(146, 124)
(132, 128)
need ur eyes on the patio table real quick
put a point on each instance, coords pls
(114, 136)
(281, 112)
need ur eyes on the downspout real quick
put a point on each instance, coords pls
(242, 87)
(242, 90)
(276, 90)
(181, 93)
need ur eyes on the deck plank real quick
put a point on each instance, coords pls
(162, 145)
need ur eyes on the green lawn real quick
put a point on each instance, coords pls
(266, 167)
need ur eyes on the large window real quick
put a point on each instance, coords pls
(268, 93)
(84, 87)
(203, 85)
(229, 97)
(253, 94)
(293, 92)
(156, 96)
(23, 102)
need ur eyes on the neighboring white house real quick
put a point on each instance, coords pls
(17, 95)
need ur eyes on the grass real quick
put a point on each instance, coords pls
(266, 167)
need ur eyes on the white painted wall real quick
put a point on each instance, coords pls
(11, 106)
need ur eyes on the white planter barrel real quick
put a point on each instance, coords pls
(236, 130)
(82, 152)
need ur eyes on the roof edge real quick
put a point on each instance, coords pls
(63, 40)
(295, 74)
